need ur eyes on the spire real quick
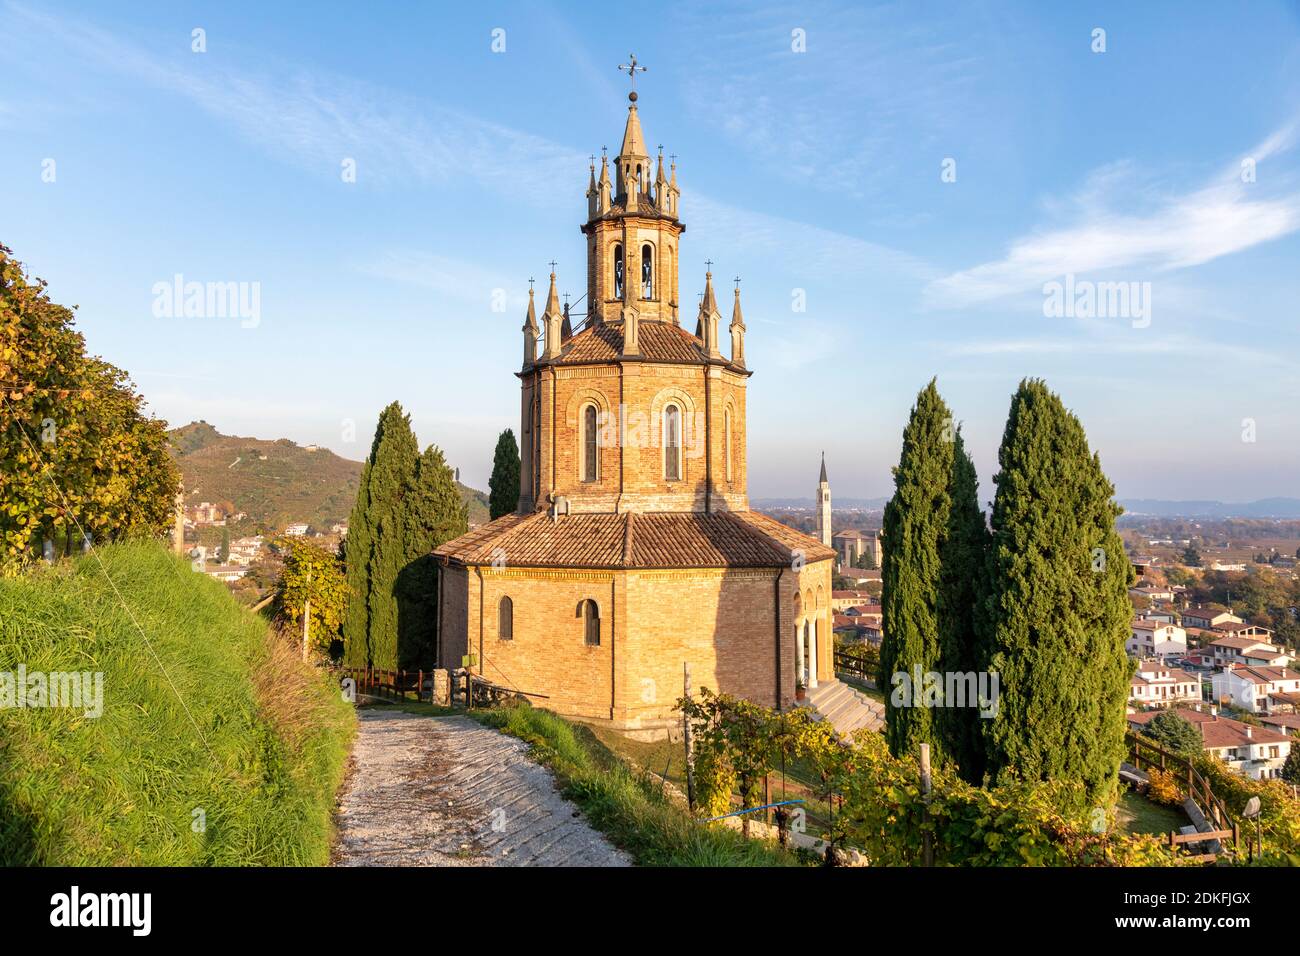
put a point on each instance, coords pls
(530, 320)
(661, 184)
(633, 138)
(530, 330)
(708, 305)
(633, 160)
(823, 477)
(604, 192)
(709, 316)
(552, 319)
(737, 330)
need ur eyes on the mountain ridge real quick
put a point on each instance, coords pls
(276, 481)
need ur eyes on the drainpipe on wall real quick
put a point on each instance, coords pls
(776, 603)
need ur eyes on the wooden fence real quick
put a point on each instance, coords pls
(846, 663)
(1146, 754)
(392, 684)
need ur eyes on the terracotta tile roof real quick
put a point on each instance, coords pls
(659, 342)
(649, 540)
(1265, 675)
(1226, 732)
(1291, 721)
(1216, 731)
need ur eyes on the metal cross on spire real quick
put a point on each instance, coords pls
(631, 69)
(530, 283)
(708, 265)
(737, 281)
(552, 267)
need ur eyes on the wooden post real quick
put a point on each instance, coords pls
(306, 619)
(927, 849)
(686, 738)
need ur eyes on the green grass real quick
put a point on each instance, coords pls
(1136, 814)
(627, 807)
(203, 711)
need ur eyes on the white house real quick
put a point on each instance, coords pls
(1158, 685)
(1248, 651)
(1256, 752)
(1151, 638)
(1260, 690)
(1205, 617)
(296, 530)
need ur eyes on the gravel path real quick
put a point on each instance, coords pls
(447, 791)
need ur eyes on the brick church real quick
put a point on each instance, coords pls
(633, 549)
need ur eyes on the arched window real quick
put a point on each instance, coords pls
(618, 270)
(506, 619)
(672, 443)
(589, 611)
(726, 437)
(647, 272)
(590, 457)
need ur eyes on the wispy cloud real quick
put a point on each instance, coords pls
(1225, 216)
(1139, 345)
(913, 79)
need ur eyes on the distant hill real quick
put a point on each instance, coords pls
(1264, 508)
(276, 482)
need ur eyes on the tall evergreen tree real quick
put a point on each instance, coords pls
(962, 556)
(435, 514)
(1057, 604)
(377, 546)
(503, 486)
(915, 522)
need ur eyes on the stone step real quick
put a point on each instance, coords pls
(845, 708)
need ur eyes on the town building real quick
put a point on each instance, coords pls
(1205, 618)
(1157, 685)
(1259, 690)
(1150, 638)
(1256, 752)
(852, 544)
(824, 507)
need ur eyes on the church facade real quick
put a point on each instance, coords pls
(633, 550)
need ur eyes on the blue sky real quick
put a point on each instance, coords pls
(817, 170)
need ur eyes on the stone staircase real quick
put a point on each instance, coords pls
(844, 707)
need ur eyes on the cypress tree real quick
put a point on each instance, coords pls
(377, 549)
(962, 557)
(915, 522)
(435, 514)
(1057, 605)
(356, 563)
(503, 486)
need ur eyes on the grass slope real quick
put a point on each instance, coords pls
(258, 744)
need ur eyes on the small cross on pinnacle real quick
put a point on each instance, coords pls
(737, 281)
(708, 266)
(632, 69)
(531, 280)
(552, 267)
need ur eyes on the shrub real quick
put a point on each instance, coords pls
(1164, 788)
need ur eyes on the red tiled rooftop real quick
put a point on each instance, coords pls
(649, 540)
